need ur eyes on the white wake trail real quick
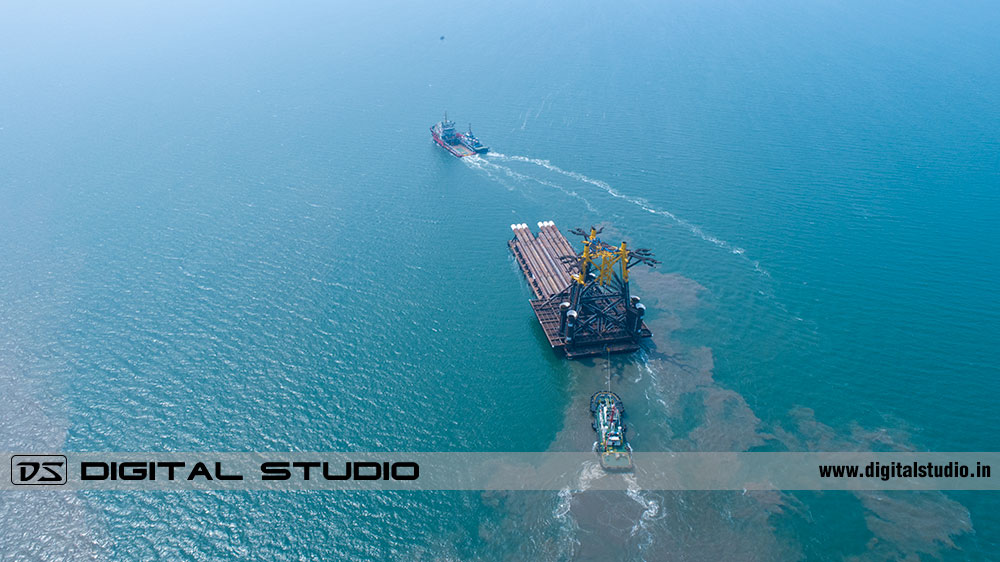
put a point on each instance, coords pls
(651, 511)
(485, 167)
(490, 167)
(589, 472)
(639, 202)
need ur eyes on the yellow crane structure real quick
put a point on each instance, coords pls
(583, 300)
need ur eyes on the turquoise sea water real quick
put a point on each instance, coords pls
(226, 228)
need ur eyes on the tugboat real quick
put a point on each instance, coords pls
(613, 448)
(459, 144)
(472, 143)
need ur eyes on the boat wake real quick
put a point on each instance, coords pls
(591, 471)
(637, 201)
(562, 512)
(651, 511)
(642, 530)
(497, 172)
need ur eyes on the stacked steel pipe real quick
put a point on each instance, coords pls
(542, 257)
(559, 242)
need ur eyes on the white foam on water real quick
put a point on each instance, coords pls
(477, 163)
(651, 511)
(480, 163)
(637, 201)
(561, 511)
(591, 471)
(651, 507)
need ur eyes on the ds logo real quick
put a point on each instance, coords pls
(38, 470)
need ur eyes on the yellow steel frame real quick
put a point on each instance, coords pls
(603, 259)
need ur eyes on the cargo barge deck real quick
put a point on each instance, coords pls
(581, 313)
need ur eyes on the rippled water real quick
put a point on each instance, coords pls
(227, 229)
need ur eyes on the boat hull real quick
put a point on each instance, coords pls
(612, 447)
(457, 150)
(480, 149)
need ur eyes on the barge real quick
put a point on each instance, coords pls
(582, 300)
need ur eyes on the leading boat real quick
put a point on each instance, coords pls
(459, 144)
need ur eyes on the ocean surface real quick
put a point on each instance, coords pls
(226, 228)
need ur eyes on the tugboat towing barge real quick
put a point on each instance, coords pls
(613, 448)
(459, 144)
(472, 143)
